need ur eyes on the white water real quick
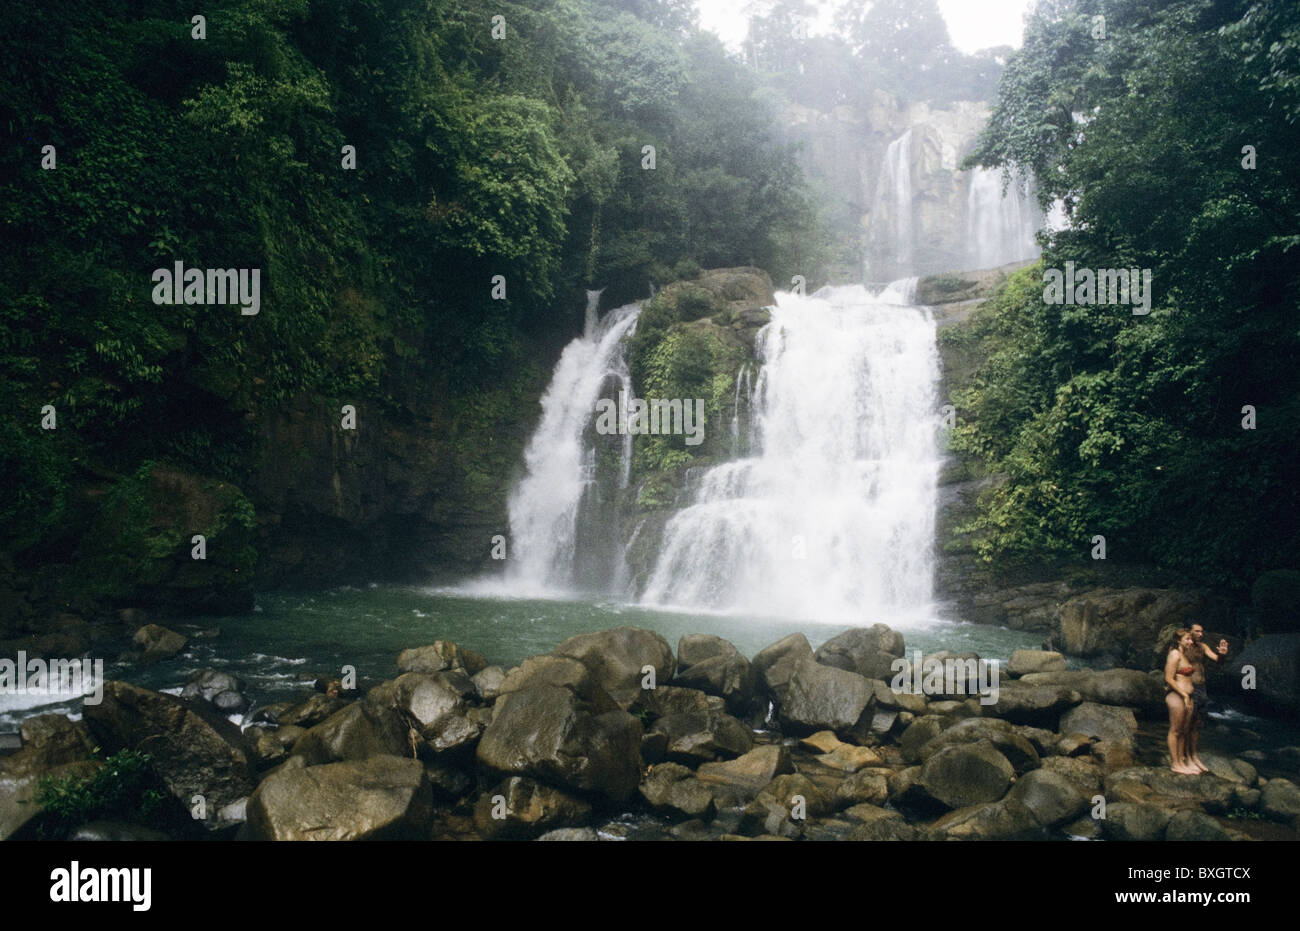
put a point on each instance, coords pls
(560, 458)
(895, 189)
(832, 516)
(999, 229)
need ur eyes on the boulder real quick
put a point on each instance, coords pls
(382, 798)
(1194, 826)
(773, 810)
(703, 738)
(880, 824)
(1008, 819)
(1135, 821)
(1127, 687)
(547, 732)
(1105, 722)
(1052, 797)
(696, 648)
(1018, 751)
(1083, 774)
(867, 787)
(1280, 800)
(154, 643)
(488, 682)
(361, 730)
(773, 665)
(730, 677)
(195, 751)
(1039, 705)
(315, 709)
(439, 656)
(868, 651)
(562, 671)
(1123, 623)
(850, 759)
(1276, 661)
(966, 774)
(818, 697)
(668, 699)
(673, 790)
(738, 781)
(1023, 662)
(220, 689)
(919, 733)
(1163, 787)
(617, 658)
(521, 808)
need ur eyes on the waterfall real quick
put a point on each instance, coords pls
(832, 515)
(894, 191)
(563, 489)
(999, 229)
(589, 319)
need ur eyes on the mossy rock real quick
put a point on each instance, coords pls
(140, 549)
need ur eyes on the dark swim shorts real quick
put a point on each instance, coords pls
(1201, 699)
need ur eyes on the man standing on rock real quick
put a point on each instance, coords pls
(1200, 696)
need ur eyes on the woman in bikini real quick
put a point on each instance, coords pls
(1178, 698)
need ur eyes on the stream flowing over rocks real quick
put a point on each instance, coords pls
(612, 735)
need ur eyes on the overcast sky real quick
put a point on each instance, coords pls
(972, 24)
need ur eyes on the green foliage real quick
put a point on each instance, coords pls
(1276, 597)
(1131, 425)
(124, 788)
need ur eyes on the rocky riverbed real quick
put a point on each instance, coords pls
(615, 735)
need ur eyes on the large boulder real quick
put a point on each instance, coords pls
(195, 751)
(775, 664)
(1008, 819)
(617, 658)
(220, 689)
(1023, 662)
(696, 648)
(1036, 705)
(1052, 797)
(729, 676)
(519, 808)
(868, 651)
(966, 774)
(819, 697)
(1105, 722)
(382, 798)
(1280, 800)
(1135, 821)
(1123, 623)
(562, 671)
(1275, 659)
(361, 730)
(1017, 749)
(783, 807)
(547, 732)
(1162, 787)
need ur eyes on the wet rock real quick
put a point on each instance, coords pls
(703, 738)
(880, 824)
(1105, 722)
(359, 731)
(1126, 687)
(1023, 662)
(1005, 820)
(1160, 786)
(1280, 800)
(696, 648)
(673, 790)
(966, 774)
(730, 677)
(207, 684)
(868, 787)
(617, 658)
(868, 651)
(521, 808)
(1036, 705)
(194, 751)
(1194, 826)
(488, 681)
(738, 781)
(783, 807)
(818, 697)
(309, 713)
(382, 798)
(919, 733)
(561, 671)
(154, 643)
(1135, 821)
(1019, 751)
(1052, 797)
(439, 656)
(775, 664)
(548, 733)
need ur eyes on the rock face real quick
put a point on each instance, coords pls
(1123, 623)
(195, 752)
(548, 733)
(382, 798)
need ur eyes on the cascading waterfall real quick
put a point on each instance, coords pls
(832, 516)
(895, 190)
(999, 229)
(562, 488)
